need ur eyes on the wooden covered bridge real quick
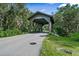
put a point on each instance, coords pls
(39, 19)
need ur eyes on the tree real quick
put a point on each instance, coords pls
(14, 15)
(66, 17)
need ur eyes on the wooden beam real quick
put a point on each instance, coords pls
(50, 27)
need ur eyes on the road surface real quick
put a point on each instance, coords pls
(20, 45)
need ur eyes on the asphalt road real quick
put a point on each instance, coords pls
(20, 45)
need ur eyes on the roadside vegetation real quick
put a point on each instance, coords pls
(61, 46)
(12, 32)
(65, 38)
(14, 19)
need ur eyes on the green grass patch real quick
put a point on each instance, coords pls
(61, 46)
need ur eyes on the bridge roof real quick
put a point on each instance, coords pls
(41, 21)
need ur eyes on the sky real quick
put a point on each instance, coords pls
(48, 8)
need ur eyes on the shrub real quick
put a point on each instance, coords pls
(2, 34)
(9, 32)
(61, 32)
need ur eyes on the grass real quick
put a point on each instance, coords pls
(61, 46)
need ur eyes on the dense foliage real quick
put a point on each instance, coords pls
(13, 18)
(67, 20)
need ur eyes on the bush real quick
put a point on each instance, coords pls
(10, 32)
(61, 32)
(2, 34)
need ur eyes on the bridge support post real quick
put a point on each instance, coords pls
(50, 27)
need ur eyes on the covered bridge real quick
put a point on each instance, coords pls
(40, 19)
